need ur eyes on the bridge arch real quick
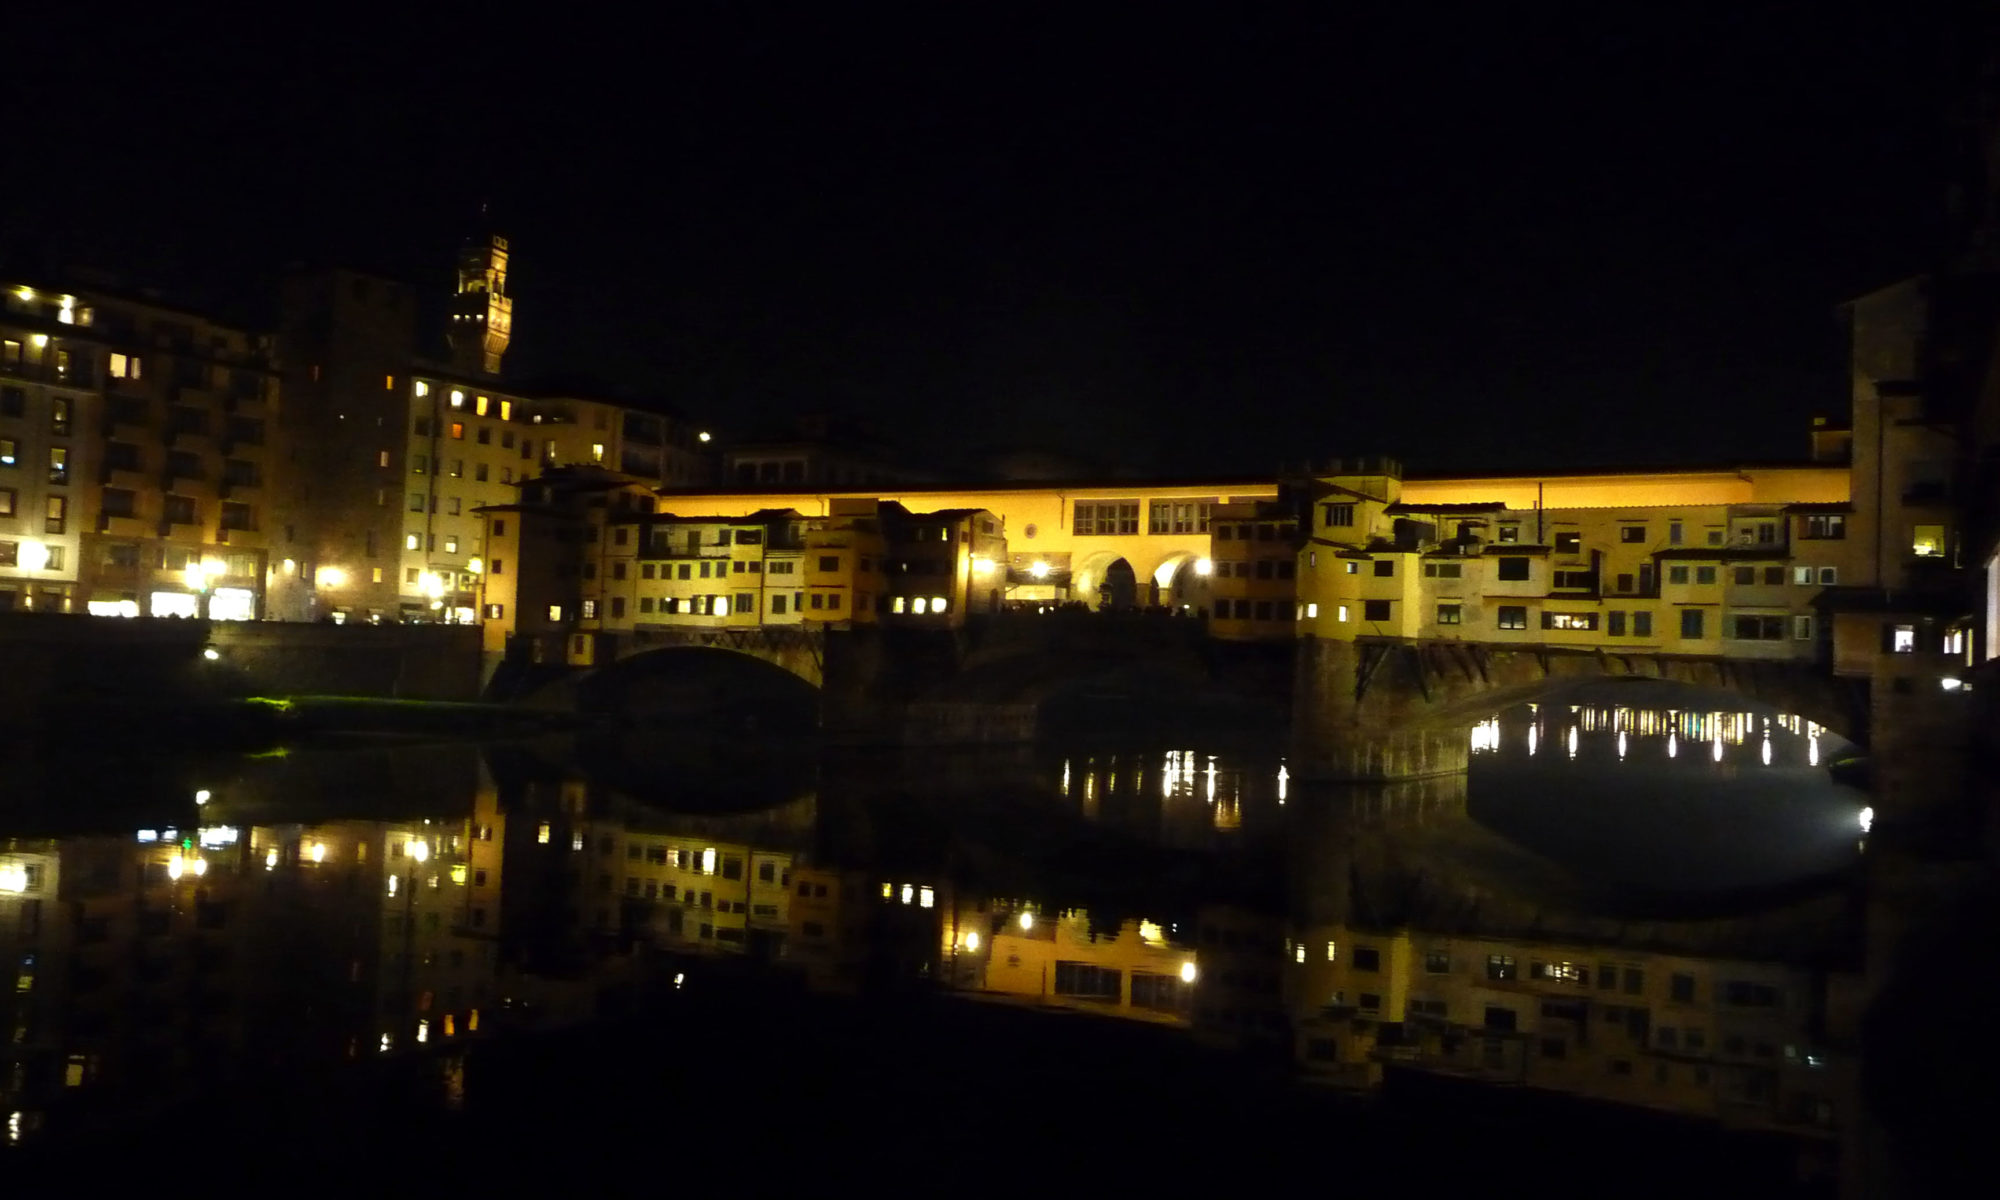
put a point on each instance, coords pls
(712, 679)
(1180, 580)
(1102, 569)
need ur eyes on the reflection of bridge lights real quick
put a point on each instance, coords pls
(1065, 778)
(1673, 744)
(1284, 781)
(1486, 735)
(1765, 753)
(1211, 779)
(1866, 818)
(1812, 750)
(1572, 741)
(1531, 741)
(1621, 745)
(1718, 746)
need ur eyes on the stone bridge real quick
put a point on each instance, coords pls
(1391, 709)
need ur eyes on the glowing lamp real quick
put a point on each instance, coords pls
(475, 565)
(1187, 971)
(332, 577)
(1038, 569)
(1204, 566)
(418, 849)
(1027, 921)
(211, 653)
(702, 436)
(972, 941)
(1866, 819)
(33, 556)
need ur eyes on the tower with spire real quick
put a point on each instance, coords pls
(482, 313)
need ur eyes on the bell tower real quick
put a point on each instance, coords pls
(482, 313)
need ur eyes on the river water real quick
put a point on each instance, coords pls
(1637, 916)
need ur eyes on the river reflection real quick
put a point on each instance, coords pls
(1474, 926)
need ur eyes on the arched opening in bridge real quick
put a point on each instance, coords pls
(703, 689)
(1656, 788)
(1107, 583)
(1180, 582)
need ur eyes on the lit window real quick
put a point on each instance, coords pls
(451, 545)
(1340, 612)
(926, 898)
(555, 612)
(937, 604)
(507, 411)
(378, 575)
(597, 452)
(1927, 541)
(1312, 610)
(389, 383)
(410, 541)
(479, 405)
(542, 833)
(896, 605)
(457, 398)
(917, 605)
(1903, 640)
(458, 430)
(423, 389)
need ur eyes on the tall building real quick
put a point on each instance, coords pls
(390, 452)
(133, 450)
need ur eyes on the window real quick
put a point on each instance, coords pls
(555, 612)
(124, 366)
(1087, 980)
(1437, 962)
(412, 541)
(1568, 620)
(1614, 624)
(1374, 610)
(1436, 570)
(1927, 541)
(1675, 533)
(451, 506)
(1449, 614)
(1340, 612)
(451, 544)
(58, 465)
(1744, 576)
(1755, 627)
(1802, 628)
(1338, 515)
(55, 516)
(1635, 983)
(1681, 987)
(1739, 994)
(1512, 570)
(1367, 958)
(1690, 624)
(1774, 576)
(9, 453)
(1632, 534)
(1574, 580)
(1105, 517)
(178, 510)
(458, 431)
(1500, 966)
(1569, 543)
(1513, 616)
(1642, 624)
(1716, 536)
(1704, 575)
(1903, 639)
(417, 464)
(1677, 575)
(1509, 532)
(8, 498)
(119, 502)
(1385, 567)
(1828, 576)
(457, 468)
(778, 604)
(1824, 526)
(1803, 576)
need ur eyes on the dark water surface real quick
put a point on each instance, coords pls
(1628, 940)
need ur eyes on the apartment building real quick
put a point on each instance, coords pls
(390, 451)
(133, 452)
(1252, 565)
(587, 554)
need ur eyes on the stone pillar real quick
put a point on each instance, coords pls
(1335, 737)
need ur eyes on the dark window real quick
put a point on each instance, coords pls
(1436, 962)
(1512, 569)
(1690, 623)
(1500, 966)
(1374, 610)
(1630, 534)
(1681, 987)
(1367, 958)
(1642, 624)
(1569, 543)
(1499, 1018)
(1337, 514)
(1614, 624)
(1513, 616)
(1449, 614)
(1087, 980)
(1385, 566)
(1744, 576)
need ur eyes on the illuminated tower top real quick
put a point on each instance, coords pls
(482, 313)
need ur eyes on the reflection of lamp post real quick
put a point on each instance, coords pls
(415, 852)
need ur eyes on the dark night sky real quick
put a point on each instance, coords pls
(1174, 246)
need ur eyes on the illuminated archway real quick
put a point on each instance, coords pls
(1180, 580)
